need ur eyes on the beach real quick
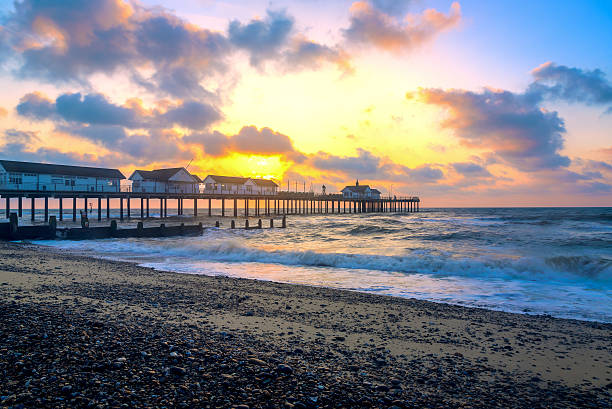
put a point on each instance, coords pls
(84, 332)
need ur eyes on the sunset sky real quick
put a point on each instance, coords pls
(466, 103)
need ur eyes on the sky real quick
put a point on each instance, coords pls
(463, 103)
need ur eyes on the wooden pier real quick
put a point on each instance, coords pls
(283, 203)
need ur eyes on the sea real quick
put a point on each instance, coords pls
(548, 261)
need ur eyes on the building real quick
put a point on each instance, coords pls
(173, 180)
(30, 176)
(215, 184)
(360, 192)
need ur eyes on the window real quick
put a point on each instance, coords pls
(30, 174)
(67, 182)
(15, 178)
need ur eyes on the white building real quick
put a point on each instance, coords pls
(360, 192)
(215, 184)
(174, 180)
(30, 176)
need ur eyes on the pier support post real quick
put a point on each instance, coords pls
(33, 208)
(209, 207)
(19, 207)
(235, 207)
(142, 208)
(99, 209)
(74, 206)
(8, 206)
(195, 207)
(129, 208)
(161, 208)
(147, 207)
(222, 207)
(85, 204)
(107, 207)
(121, 208)
(246, 207)
(61, 209)
(165, 208)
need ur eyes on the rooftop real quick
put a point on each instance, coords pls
(63, 170)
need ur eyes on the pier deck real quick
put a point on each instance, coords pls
(283, 203)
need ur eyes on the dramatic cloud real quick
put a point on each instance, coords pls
(262, 38)
(192, 114)
(60, 41)
(366, 164)
(471, 170)
(20, 145)
(95, 109)
(249, 140)
(373, 25)
(513, 126)
(274, 38)
(306, 54)
(572, 85)
(36, 106)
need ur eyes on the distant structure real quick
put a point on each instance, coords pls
(216, 184)
(173, 180)
(31, 176)
(360, 192)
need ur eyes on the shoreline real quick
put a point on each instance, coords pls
(143, 264)
(390, 339)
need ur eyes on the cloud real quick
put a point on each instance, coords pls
(606, 151)
(193, 115)
(93, 109)
(3, 112)
(558, 82)
(69, 41)
(262, 38)
(512, 125)
(96, 109)
(472, 170)
(249, 140)
(306, 54)
(274, 38)
(392, 7)
(366, 164)
(371, 24)
(20, 145)
(36, 105)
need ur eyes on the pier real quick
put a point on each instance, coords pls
(137, 205)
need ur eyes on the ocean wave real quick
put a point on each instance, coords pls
(367, 230)
(555, 268)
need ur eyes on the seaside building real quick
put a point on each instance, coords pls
(173, 180)
(215, 184)
(31, 176)
(360, 192)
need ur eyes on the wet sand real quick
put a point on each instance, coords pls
(83, 332)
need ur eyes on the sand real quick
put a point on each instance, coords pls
(353, 349)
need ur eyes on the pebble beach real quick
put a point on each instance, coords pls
(84, 332)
